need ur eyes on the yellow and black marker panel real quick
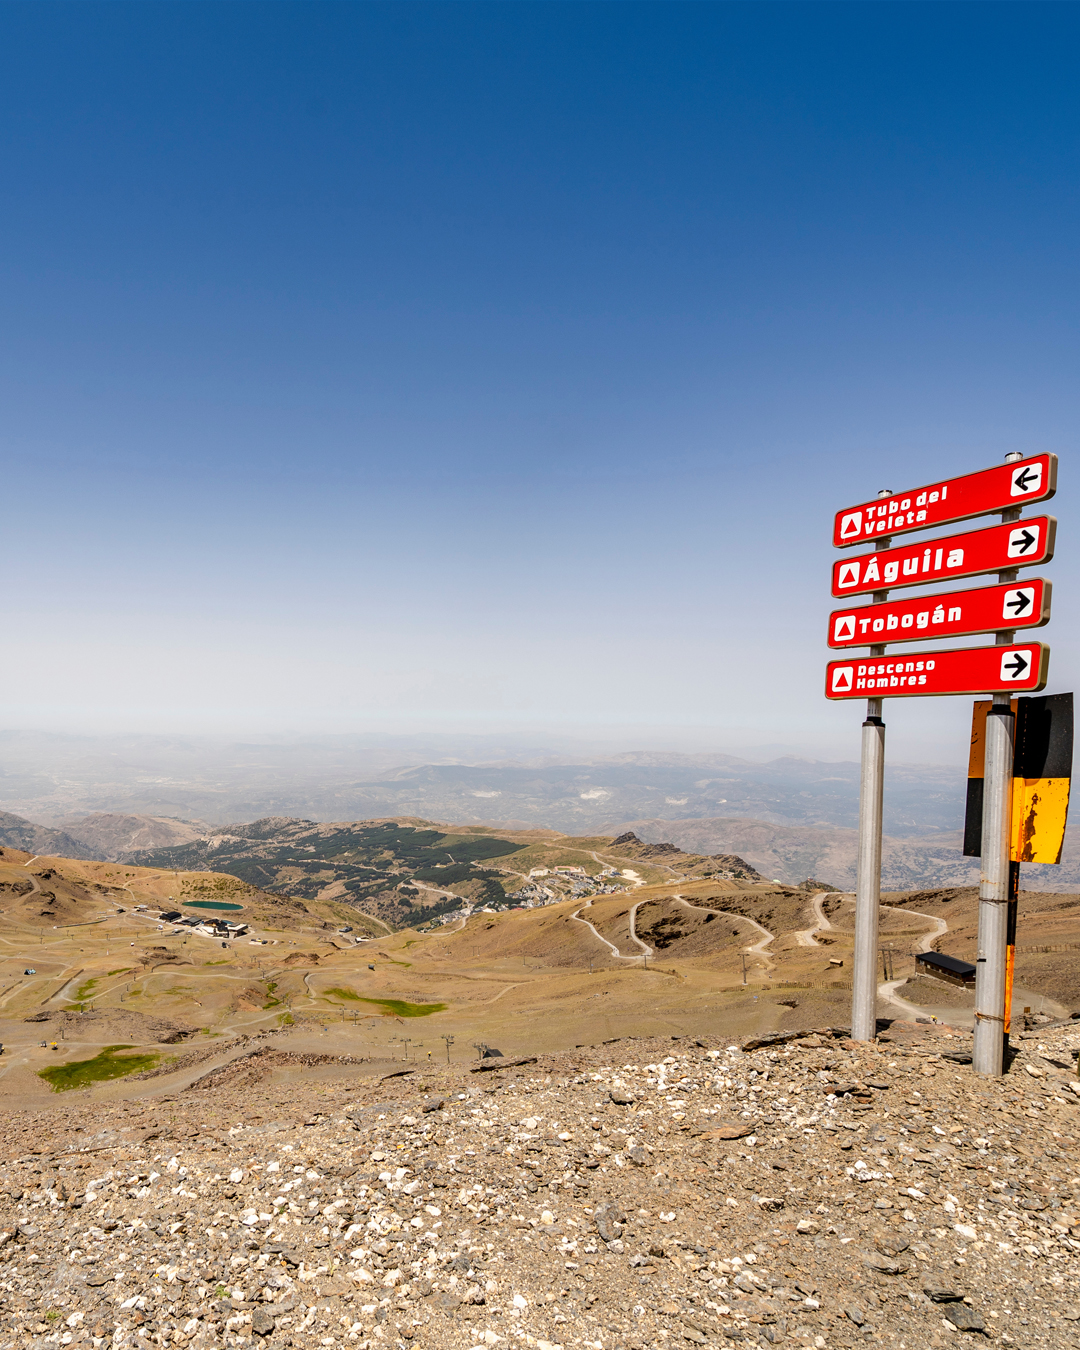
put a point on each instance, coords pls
(1042, 772)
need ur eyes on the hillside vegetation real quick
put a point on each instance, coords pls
(409, 871)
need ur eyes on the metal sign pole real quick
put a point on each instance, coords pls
(868, 878)
(995, 891)
(868, 884)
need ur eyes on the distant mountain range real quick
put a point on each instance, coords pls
(790, 817)
(56, 778)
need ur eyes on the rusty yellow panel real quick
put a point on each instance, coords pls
(1039, 810)
(977, 751)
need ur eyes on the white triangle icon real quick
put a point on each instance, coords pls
(844, 630)
(841, 679)
(851, 525)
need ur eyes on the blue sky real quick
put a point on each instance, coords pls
(479, 366)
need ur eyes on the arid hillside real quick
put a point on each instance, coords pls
(114, 836)
(89, 961)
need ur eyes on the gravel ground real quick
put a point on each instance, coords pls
(935, 993)
(645, 1193)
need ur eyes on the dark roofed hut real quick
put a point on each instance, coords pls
(946, 968)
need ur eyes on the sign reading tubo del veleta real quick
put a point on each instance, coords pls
(973, 494)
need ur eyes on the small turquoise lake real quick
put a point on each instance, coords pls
(209, 904)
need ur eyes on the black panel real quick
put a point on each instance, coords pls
(973, 819)
(1044, 737)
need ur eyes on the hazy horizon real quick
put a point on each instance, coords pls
(479, 744)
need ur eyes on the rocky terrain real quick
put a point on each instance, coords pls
(799, 1189)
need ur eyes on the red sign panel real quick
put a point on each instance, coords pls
(973, 670)
(954, 614)
(1016, 544)
(975, 494)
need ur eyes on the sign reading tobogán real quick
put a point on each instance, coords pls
(953, 614)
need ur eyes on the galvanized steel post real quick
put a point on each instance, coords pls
(868, 883)
(868, 877)
(994, 889)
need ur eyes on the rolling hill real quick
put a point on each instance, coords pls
(405, 871)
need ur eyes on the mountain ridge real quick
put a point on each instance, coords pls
(785, 852)
(790, 853)
(17, 832)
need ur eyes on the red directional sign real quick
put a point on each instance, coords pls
(972, 670)
(953, 614)
(1015, 544)
(975, 494)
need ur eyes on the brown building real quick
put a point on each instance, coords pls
(946, 968)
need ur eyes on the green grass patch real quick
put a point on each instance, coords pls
(106, 1064)
(124, 970)
(84, 989)
(226, 962)
(394, 1007)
